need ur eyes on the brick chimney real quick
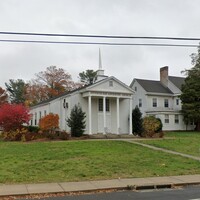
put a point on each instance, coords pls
(164, 76)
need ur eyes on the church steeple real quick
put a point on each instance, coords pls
(100, 71)
(100, 62)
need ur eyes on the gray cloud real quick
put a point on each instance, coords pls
(115, 17)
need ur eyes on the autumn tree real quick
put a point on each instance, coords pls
(16, 90)
(88, 76)
(36, 93)
(13, 116)
(56, 80)
(3, 96)
(190, 96)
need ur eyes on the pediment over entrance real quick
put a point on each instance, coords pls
(108, 87)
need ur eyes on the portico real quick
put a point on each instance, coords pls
(109, 108)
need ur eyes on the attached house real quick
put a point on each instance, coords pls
(161, 99)
(107, 104)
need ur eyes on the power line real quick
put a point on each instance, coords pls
(99, 36)
(98, 43)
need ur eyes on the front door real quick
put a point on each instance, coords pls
(101, 119)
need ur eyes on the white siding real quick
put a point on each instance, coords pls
(160, 111)
(140, 93)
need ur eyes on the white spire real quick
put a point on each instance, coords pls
(100, 71)
(100, 62)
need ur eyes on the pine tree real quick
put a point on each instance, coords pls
(88, 76)
(16, 90)
(137, 121)
(77, 121)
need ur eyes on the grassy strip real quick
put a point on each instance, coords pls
(183, 142)
(86, 160)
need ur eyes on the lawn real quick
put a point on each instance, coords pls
(184, 142)
(86, 160)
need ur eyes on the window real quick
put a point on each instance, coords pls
(166, 119)
(45, 113)
(135, 88)
(111, 83)
(177, 102)
(176, 119)
(166, 103)
(40, 115)
(154, 102)
(107, 105)
(140, 102)
(101, 105)
(35, 118)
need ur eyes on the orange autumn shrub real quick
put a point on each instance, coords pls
(49, 123)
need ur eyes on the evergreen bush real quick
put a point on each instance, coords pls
(137, 121)
(77, 121)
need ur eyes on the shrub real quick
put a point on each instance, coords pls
(77, 121)
(13, 116)
(137, 121)
(159, 129)
(49, 123)
(63, 135)
(57, 135)
(151, 125)
(14, 135)
(33, 129)
(20, 135)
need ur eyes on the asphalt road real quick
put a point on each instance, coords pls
(186, 193)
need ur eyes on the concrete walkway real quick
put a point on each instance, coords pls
(129, 183)
(164, 150)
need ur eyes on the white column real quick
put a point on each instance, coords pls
(117, 115)
(89, 116)
(130, 116)
(104, 115)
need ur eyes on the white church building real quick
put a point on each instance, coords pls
(107, 104)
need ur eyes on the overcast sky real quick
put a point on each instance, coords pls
(172, 18)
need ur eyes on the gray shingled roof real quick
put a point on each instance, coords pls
(177, 81)
(154, 86)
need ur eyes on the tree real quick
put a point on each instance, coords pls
(16, 90)
(13, 116)
(137, 121)
(3, 96)
(88, 77)
(56, 80)
(49, 122)
(77, 121)
(190, 96)
(36, 93)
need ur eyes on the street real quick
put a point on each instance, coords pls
(186, 193)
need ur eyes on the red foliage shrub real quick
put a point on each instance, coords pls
(13, 116)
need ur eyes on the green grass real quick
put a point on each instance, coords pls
(86, 160)
(184, 142)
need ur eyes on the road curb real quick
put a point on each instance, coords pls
(128, 187)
